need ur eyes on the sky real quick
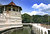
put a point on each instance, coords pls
(31, 7)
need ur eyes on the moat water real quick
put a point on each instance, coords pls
(25, 30)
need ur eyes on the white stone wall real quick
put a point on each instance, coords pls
(13, 16)
(38, 29)
(10, 20)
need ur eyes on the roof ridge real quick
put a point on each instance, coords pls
(12, 3)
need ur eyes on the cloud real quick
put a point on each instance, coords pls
(40, 6)
(35, 13)
(38, 13)
(40, 9)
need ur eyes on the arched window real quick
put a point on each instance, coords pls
(9, 9)
(13, 9)
(45, 33)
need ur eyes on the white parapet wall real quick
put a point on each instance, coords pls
(38, 29)
(4, 27)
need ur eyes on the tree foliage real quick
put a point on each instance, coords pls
(26, 18)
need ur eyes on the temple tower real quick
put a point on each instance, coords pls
(10, 15)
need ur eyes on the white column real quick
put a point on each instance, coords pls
(47, 31)
(4, 12)
(11, 8)
(43, 32)
(4, 8)
(18, 9)
(40, 30)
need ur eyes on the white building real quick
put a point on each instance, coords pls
(10, 16)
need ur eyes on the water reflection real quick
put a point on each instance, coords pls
(26, 30)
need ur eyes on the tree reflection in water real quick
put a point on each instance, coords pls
(26, 30)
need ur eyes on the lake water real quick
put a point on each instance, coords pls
(26, 30)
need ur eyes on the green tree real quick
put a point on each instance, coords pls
(37, 18)
(26, 18)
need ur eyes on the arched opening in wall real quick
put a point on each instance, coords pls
(48, 31)
(9, 9)
(13, 9)
(41, 32)
(45, 32)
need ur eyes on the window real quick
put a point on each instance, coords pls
(13, 9)
(1, 10)
(9, 9)
(16, 10)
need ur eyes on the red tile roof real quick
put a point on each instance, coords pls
(12, 3)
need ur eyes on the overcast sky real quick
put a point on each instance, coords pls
(32, 7)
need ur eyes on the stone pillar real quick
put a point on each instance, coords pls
(40, 31)
(18, 9)
(11, 8)
(47, 31)
(4, 12)
(43, 32)
(4, 8)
